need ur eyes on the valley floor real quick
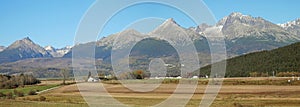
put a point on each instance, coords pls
(229, 96)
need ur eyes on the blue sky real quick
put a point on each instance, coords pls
(54, 22)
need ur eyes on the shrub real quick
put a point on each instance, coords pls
(18, 93)
(32, 99)
(32, 92)
(42, 98)
(9, 95)
(237, 105)
(2, 95)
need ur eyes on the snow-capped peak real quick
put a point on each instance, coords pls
(291, 23)
(68, 47)
(49, 48)
(57, 52)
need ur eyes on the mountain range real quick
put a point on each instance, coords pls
(243, 34)
(26, 48)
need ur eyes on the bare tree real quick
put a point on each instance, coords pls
(90, 74)
(65, 75)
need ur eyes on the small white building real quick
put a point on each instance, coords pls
(195, 77)
(92, 80)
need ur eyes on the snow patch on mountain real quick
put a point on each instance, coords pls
(290, 24)
(58, 52)
(2, 48)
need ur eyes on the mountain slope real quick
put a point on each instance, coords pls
(284, 59)
(23, 49)
(2, 48)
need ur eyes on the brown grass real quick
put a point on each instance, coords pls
(242, 95)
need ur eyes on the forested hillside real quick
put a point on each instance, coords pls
(284, 59)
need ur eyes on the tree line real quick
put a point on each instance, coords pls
(14, 81)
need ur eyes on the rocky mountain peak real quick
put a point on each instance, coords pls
(236, 14)
(25, 42)
(27, 39)
(49, 48)
(130, 31)
(169, 22)
(240, 18)
(291, 23)
(169, 25)
(236, 25)
(22, 49)
(237, 18)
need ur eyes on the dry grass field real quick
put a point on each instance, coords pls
(236, 92)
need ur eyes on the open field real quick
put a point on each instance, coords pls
(44, 85)
(26, 89)
(236, 92)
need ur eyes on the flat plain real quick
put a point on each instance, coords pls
(235, 92)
